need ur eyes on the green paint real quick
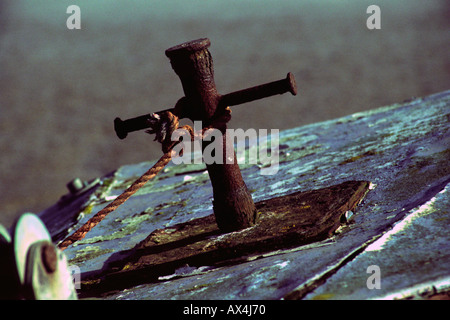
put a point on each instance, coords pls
(129, 225)
(88, 253)
(323, 296)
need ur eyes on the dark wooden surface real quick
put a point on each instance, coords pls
(284, 222)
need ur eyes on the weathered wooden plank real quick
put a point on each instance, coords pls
(284, 222)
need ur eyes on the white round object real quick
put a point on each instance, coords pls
(28, 230)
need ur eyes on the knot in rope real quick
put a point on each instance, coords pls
(164, 125)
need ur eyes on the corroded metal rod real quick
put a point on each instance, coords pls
(233, 205)
(123, 127)
(259, 92)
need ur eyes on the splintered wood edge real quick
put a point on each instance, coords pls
(301, 218)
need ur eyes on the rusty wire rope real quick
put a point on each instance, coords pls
(163, 126)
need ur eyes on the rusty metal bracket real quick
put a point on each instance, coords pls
(233, 205)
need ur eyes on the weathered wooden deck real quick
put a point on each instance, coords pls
(401, 226)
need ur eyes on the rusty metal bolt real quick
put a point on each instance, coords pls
(75, 185)
(49, 257)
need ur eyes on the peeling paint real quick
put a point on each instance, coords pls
(403, 224)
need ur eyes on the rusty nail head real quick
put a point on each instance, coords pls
(75, 185)
(49, 257)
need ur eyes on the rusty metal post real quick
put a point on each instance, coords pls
(233, 204)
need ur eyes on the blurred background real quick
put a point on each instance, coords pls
(61, 89)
